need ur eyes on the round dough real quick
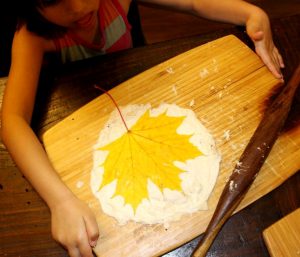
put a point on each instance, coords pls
(197, 179)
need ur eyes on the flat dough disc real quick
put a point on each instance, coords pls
(197, 179)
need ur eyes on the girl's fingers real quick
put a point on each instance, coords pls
(84, 246)
(92, 230)
(274, 68)
(278, 61)
(272, 61)
(74, 252)
(279, 58)
(79, 231)
(78, 243)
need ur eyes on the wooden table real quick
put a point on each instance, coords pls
(24, 217)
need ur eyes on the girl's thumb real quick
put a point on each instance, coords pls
(257, 36)
(254, 32)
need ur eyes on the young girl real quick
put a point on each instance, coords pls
(79, 29)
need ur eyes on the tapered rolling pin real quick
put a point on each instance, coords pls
(250, 162)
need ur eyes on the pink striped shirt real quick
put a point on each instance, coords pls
(114, 34)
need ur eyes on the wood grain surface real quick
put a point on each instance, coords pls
(229, 86)
(283, 237)
(250, 162)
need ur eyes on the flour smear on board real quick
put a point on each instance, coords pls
(197, 179)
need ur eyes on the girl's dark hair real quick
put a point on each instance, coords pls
(27, 13)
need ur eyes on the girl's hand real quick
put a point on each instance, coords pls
(258, 29)
(75, 227)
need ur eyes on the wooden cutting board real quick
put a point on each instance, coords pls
(227, 86)
(283, 237)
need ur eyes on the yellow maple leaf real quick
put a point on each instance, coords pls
(147, 151)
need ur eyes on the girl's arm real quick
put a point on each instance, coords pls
(240, 13)
(73, 224)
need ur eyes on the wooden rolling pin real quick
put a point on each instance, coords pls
(250, 162)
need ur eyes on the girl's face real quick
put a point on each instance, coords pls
(71, 14)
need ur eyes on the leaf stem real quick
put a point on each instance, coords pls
(115, 103)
